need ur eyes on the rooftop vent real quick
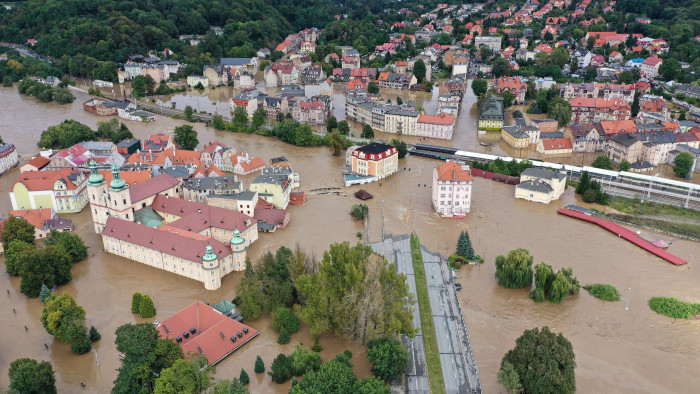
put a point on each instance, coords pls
(193, 330)
(233, 338)
(185, 334)
(245, 330)
(178, 339)
(240, 334)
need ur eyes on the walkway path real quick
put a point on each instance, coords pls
(398, 250)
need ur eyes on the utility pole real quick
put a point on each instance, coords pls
(629, 293)
(382, 204)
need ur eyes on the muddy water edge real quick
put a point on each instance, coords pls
(617, 350)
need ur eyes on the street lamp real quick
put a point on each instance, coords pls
(382, 203)
(629, 292)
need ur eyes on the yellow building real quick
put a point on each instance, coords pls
(399, 121)
(492, 115)
(63, 190)
(514, 137)
(274, 188)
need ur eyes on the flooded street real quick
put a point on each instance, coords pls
(617, 350)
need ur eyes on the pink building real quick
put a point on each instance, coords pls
(435, 126)
(452, 190)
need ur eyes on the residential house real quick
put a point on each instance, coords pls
(62, 190)
(515, 137)
(8, 157)
(245, 64)
(460, 65)
(512, 84)
(585, 137)
(279, 75)
(546, 125)
(245, 164)
(158, 143)
(396, 81)
(555, 147)
(625, 147)
(493, 42)
(689, 90)
(615, 57)
(588, 110)
(583, 57)
(650, 66)
(439, 126)
(199, 189)
(312, 75)
(355, 87)
(273, 188)
(540, 185)
(570, 90)
(44, 221)
(100, 107)
(452, 190)
(312, 111)
(36, 164)
(248, 99)
(217, 75)
(654, 108)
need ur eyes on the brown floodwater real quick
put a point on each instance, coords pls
(617, 350)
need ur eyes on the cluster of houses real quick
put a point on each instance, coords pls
(159, 70)
(124, 109)
(308, 104)
(401, 119)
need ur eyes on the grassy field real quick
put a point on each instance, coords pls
(660, 216)
(432, 353)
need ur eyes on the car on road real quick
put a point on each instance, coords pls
(458, 286)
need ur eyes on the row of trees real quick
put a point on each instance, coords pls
(510, 168)
(48, 266)
(591, 190)
(142, 304)
(45, 93)
(350, 292)
(515, 271)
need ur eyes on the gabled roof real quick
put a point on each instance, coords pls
(45, 180)
(39, 162)
(35, 217)
(556, 143)
(196, 217)
(130, 177)
(151, 187)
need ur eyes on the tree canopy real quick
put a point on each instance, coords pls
(65, 319)
(543, 361)
(32, 377)
(71, 243)
(15, 228)
(186, 137)
(65, 135)
(389, 358)
(683, 164)
(515, 270)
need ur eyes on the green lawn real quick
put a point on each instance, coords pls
(432, 353)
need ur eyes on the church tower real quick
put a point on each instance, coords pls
(238, 250)
(210, 266)
(97, 192)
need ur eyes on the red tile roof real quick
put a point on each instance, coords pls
(151, 187)
(443, 119)
(451, 171)
(618, 126)
(35, 217)
(213, 331)
(130, 177)
(45, 180)
(185, 245)
(39, 162)
(253, 164)
(652, 61)
(557, 144)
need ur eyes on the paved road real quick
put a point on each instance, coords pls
(458, 366)
(398, 250)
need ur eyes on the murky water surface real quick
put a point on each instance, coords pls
(616, 350)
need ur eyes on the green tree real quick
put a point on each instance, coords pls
(419, 70)
(428, 87)
(400, 146)
(515, 270)
(584, 182)
(334, 376)
(146, 308)
(603, 162)
(186, 137)
(82, 344)
(336, 142)
(15, 228)
(280, 369)
(64, 318)
(250, 294)
(479, 86)
(367, 132)
(670, 69)
(543, 361)
(372, 88)
(464, 246)
(218, 122)
(7, 81)
(359, 211)
(284, 337)
(107, 129)
(317, 345)
(626, 77)
(508, 98)
(560, 56)
(399, 101)
(259, 365)
(389, 358)
(344, 127)
(591, 75)
(635, 104)
(184, 376)
(500, 67)
(240, 115)
(559, 289)
(145, 357)
(71, 243)
(303, 360)
(45, 291)
(284, 319)
(560, 111)
(135, 302)
(259, 117)
(49, 266)
(234, 386)
(683, 164)
(188, 112)
(243, 377)
(341, 297)
(32, 377)
(94, 334)
(509, 379)
(332, 124)
(372, 385)
(625, 165)
(65, 135)
(13, 251)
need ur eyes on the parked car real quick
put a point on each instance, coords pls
(458, 287)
